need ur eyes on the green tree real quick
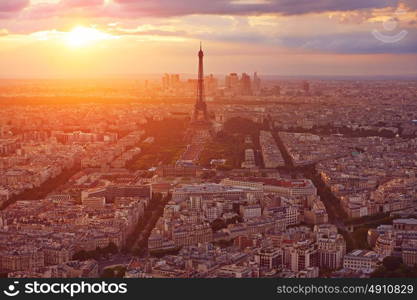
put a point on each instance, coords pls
(218, 224)
(111, 248)
(392, 263)
(80, 255)
(107, 273)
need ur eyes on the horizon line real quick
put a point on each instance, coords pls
(132, 76)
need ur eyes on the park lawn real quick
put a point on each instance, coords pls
(228, 147)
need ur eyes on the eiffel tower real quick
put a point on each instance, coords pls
(200, 107)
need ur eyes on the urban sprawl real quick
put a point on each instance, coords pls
(283, 178)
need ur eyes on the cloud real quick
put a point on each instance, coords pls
(9, 6)
(354, 43)
(80, 3)
(280, 23)
(153, 32)
(410, 3)
(4, 32)
(172, 8)
(64, 8)
(240, 7)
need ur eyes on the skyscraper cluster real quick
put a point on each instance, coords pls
(243, 85)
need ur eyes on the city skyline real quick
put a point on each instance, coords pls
(116, 38)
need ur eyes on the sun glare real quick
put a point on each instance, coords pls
(83, 36)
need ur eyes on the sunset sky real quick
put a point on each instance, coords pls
(91, 38)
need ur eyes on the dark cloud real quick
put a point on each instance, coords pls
(410, 3)
(170, 8)
(354, 43)
(237, 7)
(167, 8)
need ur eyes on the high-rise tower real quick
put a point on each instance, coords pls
(200, 108)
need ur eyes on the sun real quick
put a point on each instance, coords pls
(83, 36)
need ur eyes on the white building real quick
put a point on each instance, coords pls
(361, 260)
